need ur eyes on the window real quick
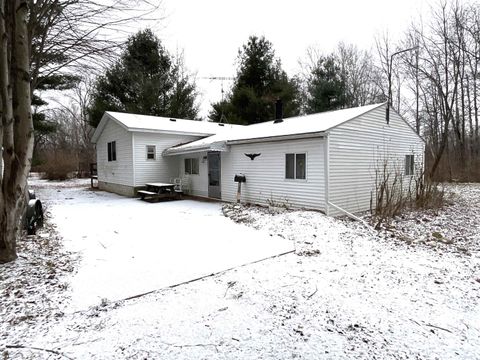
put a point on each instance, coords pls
(409, 164)
(112, 151)
(191, 166)
(295, 166)
(151, 152)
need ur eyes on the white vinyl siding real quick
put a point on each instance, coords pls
(119, 171)
(198, 183)
(265, 175)
(164, 168)
(358, 148)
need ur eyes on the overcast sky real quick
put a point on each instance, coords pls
(210, 32)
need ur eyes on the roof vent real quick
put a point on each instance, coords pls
(220, 124)
(173, 119)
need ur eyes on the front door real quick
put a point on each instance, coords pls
(214, 175)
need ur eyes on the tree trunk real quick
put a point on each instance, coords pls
(8, 238)
(17, 122)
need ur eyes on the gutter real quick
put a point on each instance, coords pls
(171, 152)
(277, 138)
(207, 147)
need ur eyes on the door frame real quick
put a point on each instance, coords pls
(214, 191)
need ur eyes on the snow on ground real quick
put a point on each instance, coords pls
(344, 294)
(32, 289)
(129, 247)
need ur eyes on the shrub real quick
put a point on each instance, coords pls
(57, 166)
(396, 193)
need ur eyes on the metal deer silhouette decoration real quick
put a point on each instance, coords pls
(252, 156)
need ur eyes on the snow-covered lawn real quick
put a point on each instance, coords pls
(344, 294)
(129, 247)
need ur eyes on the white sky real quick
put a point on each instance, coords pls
(210, 32)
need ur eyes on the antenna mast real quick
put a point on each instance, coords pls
(221, 78)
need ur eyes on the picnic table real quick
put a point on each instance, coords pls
(157, 191)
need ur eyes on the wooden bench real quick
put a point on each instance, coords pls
(152, 196)
(146, 194)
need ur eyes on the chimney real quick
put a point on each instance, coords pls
(278, 111)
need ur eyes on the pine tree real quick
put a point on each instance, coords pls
(260, 81)
(325, 89)
(145, 80)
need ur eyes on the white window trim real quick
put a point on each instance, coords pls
(191, 163)
(295, 166)
(154, 152)
(111, 152)
(405, 167)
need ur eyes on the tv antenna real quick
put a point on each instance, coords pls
(222, 79)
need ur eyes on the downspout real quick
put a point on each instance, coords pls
(326, 162)
(350, 215)
(133, 160)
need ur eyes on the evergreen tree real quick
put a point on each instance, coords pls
(182, 102)
(325, 88)
(145, 80)
(260, 81)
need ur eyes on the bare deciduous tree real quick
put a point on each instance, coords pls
(360, 74)
(17, 125)
(443, 80)
(45, 42)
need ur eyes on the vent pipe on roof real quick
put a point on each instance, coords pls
(173, 119)
(278, 111)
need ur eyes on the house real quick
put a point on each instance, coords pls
(129, 149)
(327, 161)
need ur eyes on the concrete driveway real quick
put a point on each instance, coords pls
(128, 247)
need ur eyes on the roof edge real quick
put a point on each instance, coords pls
(278, 138)
(101, 126)
(356, 117)
(172, 151)
(154, 131)
(391, 110)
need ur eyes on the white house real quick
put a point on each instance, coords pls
(129, 149)
(326, 161)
